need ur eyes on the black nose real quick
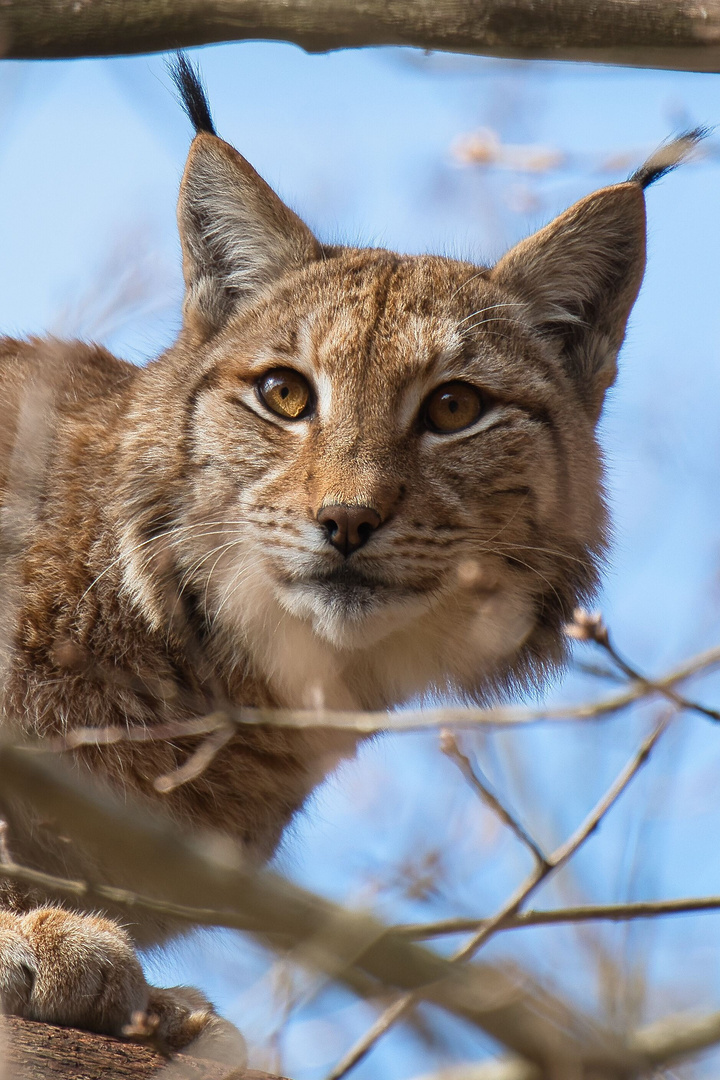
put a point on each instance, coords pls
(349, 527)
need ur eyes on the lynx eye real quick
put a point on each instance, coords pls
(452, 407)
(286, 393)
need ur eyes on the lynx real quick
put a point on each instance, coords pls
(356, 478)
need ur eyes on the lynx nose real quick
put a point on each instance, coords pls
(349, 527)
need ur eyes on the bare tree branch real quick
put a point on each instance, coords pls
(639, 909)
(661, 1043)
(407, 720)
(644, 33)
(234, 920)
(450, 747)
(588, 627)
(540, 872)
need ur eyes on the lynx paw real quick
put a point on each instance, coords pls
(76, 970)
(82, 971)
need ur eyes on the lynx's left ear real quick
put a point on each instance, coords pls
(580, 275)
(237, 236)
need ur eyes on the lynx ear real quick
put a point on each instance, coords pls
(237, 236)
(579, 277)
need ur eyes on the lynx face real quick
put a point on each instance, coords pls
(421, 475)
(388, 476)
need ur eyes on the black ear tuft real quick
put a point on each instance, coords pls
(668, 157)
(192, 93)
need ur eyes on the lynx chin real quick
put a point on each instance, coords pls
(355, 478)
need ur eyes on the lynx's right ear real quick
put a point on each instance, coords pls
(578, 279)
(579, 276)
(237, 236)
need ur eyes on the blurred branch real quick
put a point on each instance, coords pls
(539, 874)
(641, 909)
(659, 1044)
(501, 1069)
(676, 1037)
(175, 871)
(652, 33)
(237, 920)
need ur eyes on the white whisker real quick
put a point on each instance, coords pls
(490, 307)
(484, 322)
(171, 533)
(469, 280)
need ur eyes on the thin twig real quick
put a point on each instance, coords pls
(511, 907)
(198, 762)
(590, 627)
(124, 898)
(640, 909)
(112, 734)
(666, 691)
(408, 720)
(450, 747)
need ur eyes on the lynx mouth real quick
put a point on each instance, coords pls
(344, 587)
(348, 577)
(349, 607)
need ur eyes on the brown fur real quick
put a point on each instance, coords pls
(160, 524)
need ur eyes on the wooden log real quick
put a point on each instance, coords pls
(643, 33)
(35, 1051)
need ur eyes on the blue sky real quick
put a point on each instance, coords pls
(360, 144)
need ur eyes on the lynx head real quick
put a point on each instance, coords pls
(388, 481)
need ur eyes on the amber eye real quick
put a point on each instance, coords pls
(286, 393)
(452, 407)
